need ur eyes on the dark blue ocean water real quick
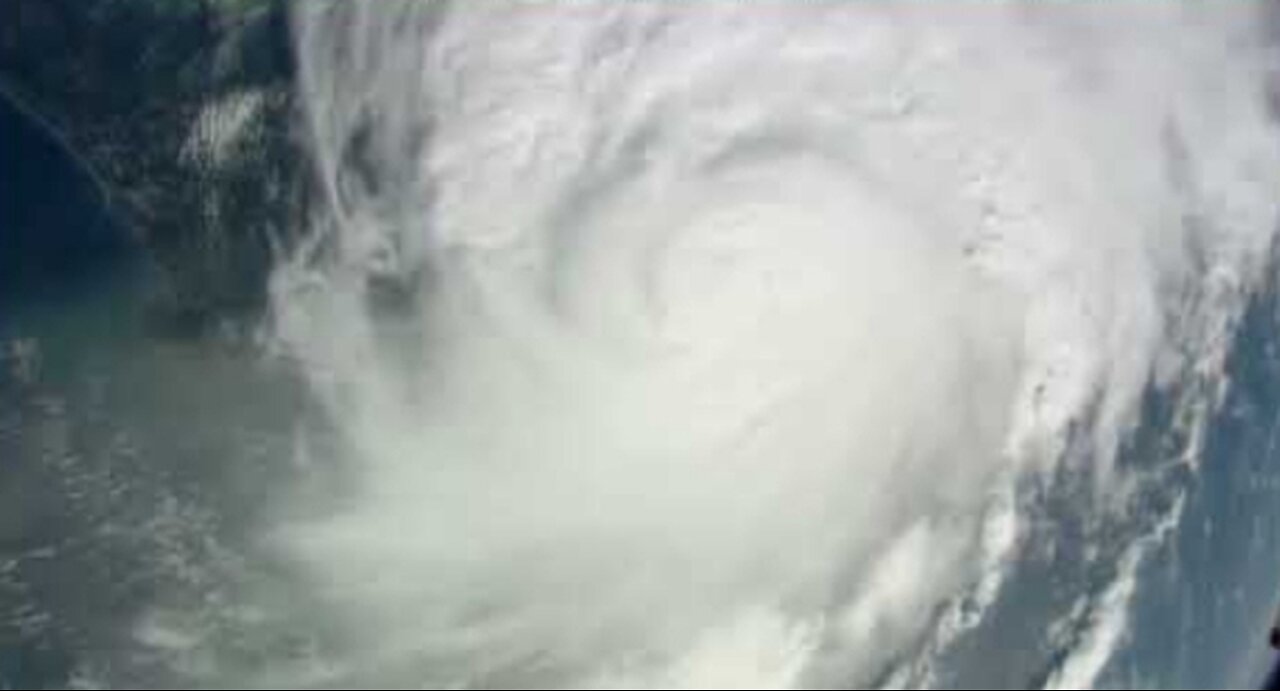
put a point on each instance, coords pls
(1206, 602)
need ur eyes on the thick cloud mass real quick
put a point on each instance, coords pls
(710, 346)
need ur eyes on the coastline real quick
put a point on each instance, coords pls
(58, 135)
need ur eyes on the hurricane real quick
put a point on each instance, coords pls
(734, 345)
(638, 345)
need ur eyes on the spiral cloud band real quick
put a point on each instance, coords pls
(718, 345)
